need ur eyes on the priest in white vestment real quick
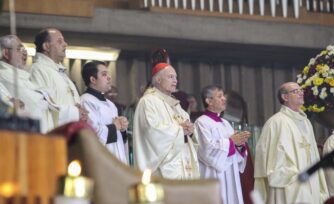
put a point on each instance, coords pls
(48, 72)
(164, 138)
(222, 153)
(103, 115)
(35, 102)
(285, 148)
(329, 172)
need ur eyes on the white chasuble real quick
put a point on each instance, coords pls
(217, 161)
(49, 75)
(329, 173)
(100, 116)
(159, 141)
(285, 148)
(35, 104)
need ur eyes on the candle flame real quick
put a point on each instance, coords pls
(146, 176)
(74, 168)
(8, 189)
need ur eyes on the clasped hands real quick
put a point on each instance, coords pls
(121, 123)
(240, 138)
(188, 127)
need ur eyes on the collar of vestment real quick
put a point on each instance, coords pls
(213, 116)
(293, 114)
(7, 71)
(96, 93)
(42, 57)
(169, 99)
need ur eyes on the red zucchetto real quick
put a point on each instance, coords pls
(158, 67)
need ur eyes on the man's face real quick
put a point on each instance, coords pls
(217, 102)
(16, 54)
(294, 96)
(56, 47)
(103, 81)
(167, 81)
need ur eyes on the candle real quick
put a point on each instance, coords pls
(73, 188)
(146, 192)
(7, 191)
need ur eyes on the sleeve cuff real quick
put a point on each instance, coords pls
(231, 149)
(242, 150)
(112, 134)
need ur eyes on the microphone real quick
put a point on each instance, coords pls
(325, 162)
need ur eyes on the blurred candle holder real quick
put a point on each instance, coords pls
(73, 188)
(146, 192)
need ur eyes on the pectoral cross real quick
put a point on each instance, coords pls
(305, 145)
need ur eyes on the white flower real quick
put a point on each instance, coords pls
(299, 78)
(330, 48)
(323, 93)
(304, 77)
(325, 74)
(331, 71)
(331, 90)
(315, 90)
(312, 60)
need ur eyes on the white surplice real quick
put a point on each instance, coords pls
(329, 173)
(214, 161)
(101, 114)
(35, 104)
(5, 95)
(47, 74)
(285, 148)
(158, 138)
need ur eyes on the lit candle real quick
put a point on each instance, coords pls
(73, 188)
(146, 192)
(8, 190)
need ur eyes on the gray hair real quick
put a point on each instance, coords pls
(6, 42)
(155, 78)
(207, 92)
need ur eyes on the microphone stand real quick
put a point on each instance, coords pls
(325, 162)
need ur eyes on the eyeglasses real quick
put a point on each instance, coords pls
(18, 49)
(295, 91)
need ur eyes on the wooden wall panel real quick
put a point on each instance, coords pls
(84, 8)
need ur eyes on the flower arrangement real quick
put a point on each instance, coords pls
(317, 81)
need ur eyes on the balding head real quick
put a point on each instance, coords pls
(290, 94)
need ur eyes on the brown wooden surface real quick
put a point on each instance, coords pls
(111, 4)
(33, 162)
(84, 8)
